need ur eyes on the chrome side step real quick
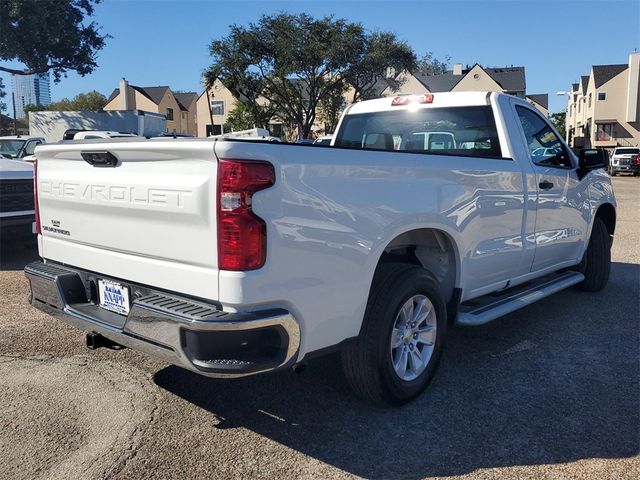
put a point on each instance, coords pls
(489, 307)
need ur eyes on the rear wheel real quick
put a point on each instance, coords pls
(596, 263)
(397, 353)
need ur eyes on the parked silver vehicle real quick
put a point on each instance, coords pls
(17, 211)
(17, 147)
(625, 160)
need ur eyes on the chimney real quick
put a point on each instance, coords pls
(124, 94)
(632, 87)
(457, 69)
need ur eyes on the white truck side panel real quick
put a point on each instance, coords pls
(332, 213)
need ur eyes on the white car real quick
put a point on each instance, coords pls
(231, 258)
(18, 147)
(625, 160)
(326, 140)
(17, 212)
(545, 152)
(95, 134)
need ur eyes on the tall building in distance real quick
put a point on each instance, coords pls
(30, 90)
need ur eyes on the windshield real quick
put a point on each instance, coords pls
(627, 151)
(11, 148)
(469, 131)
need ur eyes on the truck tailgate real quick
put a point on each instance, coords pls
(151, 219)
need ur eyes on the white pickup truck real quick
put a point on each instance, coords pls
(231, 257)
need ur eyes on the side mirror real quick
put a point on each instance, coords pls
(593, 158)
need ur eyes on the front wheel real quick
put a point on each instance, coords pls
(596, 263)
(397, 352)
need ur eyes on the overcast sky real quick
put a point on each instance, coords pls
(157, 42)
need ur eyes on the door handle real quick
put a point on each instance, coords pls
(546, 185)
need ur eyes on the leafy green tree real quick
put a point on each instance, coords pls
(381, 57)
(429, 64)
(32, 107)
(87, 102)
(558, 120)
(293, 62)
(331, 106)
(244, 117)
(49, 35)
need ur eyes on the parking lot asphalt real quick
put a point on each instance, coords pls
(551, 391)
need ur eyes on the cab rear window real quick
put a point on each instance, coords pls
(466, 131)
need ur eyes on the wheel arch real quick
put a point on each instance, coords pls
(607, 213)
(432, 248)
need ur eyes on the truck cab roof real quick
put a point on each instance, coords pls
(414, 101)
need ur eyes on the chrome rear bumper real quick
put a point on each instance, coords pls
(192, 334)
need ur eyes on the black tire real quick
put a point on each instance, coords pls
(613, 173)
(596, 263)
(367, 361)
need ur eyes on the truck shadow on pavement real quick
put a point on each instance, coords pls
(556, 382)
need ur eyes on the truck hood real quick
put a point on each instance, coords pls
(15, 169)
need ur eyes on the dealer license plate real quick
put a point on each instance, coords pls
(113, 296)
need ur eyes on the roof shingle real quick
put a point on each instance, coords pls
(185, 99)
(541, 99)
(584, 81)
(511, 79)
(603, 73)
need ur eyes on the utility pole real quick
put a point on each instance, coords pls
(210, 112)
(13, 100)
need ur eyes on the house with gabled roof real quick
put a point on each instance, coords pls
(603, 107)
(213, 106)
(540, 101)
(510, 80)
(178, 108)
(188, 111)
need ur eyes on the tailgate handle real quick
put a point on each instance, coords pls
(100, 158)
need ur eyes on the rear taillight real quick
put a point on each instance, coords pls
(242, 235)
(35, 197)
(638, 160)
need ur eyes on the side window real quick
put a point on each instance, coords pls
(31, 146)
(545, 147)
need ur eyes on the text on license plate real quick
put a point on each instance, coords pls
(113, 296)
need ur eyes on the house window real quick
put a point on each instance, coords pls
(602, 96)
(579, 102)
(217, 107)
(169, 113)
(276, 129)
(589, 100)
(604, 132)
